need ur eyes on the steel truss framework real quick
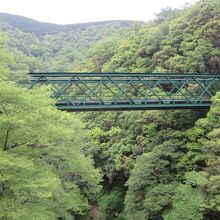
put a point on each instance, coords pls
(129, 91)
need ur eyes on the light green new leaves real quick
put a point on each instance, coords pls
(28, 117)
(27, 190)
(43, 174)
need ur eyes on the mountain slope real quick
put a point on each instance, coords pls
(51, 47)
(42, 28)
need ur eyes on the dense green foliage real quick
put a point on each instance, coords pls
(155, 164)
(43, 174)
(59, 52)
(183, 41)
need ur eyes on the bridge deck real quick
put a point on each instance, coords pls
(129, 91)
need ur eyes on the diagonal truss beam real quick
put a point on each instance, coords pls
(129, 91)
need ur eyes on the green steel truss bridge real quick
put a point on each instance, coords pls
(129, 91)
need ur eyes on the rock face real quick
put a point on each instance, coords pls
(214, 64)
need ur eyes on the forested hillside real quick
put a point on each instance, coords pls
(58, 52)
(41, 28)
(147, 165)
